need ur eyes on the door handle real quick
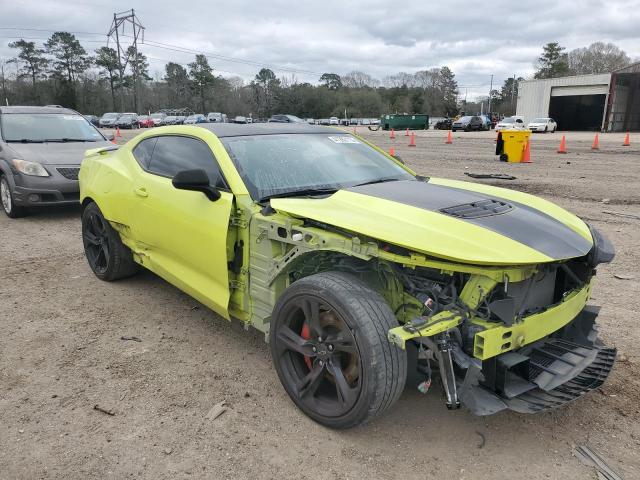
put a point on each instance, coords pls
(141, 192)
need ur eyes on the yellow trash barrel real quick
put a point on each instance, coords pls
(511, 144)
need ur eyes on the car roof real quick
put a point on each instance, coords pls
(237, 130)
(31, 109)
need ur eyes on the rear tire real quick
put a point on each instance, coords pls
(7, 200)
(504, 157)
(108, 257)
(330, 349)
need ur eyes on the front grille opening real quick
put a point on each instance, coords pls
(69, 172)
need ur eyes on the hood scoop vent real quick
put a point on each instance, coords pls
(479, 209)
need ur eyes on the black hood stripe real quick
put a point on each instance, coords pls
(522, 223)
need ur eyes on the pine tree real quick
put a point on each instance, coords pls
(553, 62)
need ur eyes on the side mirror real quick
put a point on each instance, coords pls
(197, 181)
(397, 157)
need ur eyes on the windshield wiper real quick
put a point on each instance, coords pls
(66, 139)
(303, 192)
(23, 140)
(379, 180)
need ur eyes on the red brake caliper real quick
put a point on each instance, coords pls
(306, 334)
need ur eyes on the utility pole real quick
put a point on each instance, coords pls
(513, 91)
(490, 90)
(116, 31)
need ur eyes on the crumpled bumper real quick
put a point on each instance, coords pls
(544, 375)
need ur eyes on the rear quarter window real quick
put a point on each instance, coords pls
(143, 152)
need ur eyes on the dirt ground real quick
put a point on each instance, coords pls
(61, 353)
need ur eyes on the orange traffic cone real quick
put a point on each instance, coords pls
(449, 138)
(563, 145)
(596, 143)
(114, 141)
(526, 158)
(627, 141)
(412, 141)
(406, 133)
(393, 134)
(392, 152)
(118, 132)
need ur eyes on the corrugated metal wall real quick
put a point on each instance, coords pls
(534, 95)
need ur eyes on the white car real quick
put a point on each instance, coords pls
(334, 121)
(510, 123)
(543, 125)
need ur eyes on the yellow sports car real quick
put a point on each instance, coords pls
(356, 269)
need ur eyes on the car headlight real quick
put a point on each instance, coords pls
(602, 250)
(29, 168)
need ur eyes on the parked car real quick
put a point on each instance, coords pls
(240, 119)
(468, 123)
(216, 117)
(93, 119)
(180, 119)
(366, 121)
(145, 121)
(170, 120)
(510, 123)
(440, 123)
(41, 149)
(193, 119)
(158, 118)
(285, 119)
(128, 120)
(491, 285)
(334, 121)
(323, 121)
(544, 124)
(108, 120)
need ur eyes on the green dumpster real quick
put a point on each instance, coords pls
(418, 121)
(511, 145)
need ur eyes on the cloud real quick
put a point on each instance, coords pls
(476, 39)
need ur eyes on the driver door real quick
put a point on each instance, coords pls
(183, 233)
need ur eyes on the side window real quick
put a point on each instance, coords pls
(172, 154)
(143, 151)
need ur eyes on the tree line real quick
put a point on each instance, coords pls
(61, 71)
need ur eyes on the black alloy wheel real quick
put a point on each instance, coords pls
(319, 356)
(96, 242)
(329, 345)
(108, 257)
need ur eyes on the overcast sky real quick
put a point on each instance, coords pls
(475, 39)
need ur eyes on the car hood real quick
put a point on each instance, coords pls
(55, 153)
(459, 221)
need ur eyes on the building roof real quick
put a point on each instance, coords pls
(633, 68)
(239, 129)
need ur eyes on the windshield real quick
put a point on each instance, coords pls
(465, 119)
(38, 127)
(274, 165)
(540, 120)
(508, 120)
(143, 117)
(109, 116)
(157, 115)
(126, 117)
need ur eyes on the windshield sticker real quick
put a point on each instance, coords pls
(344, 139)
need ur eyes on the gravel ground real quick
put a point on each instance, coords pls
(61, 354)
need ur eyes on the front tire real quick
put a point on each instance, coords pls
(108, 257)
(8, 203)
(329, 345)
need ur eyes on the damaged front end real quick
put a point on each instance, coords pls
(507, 338)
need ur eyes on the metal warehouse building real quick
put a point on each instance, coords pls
(608, 102)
